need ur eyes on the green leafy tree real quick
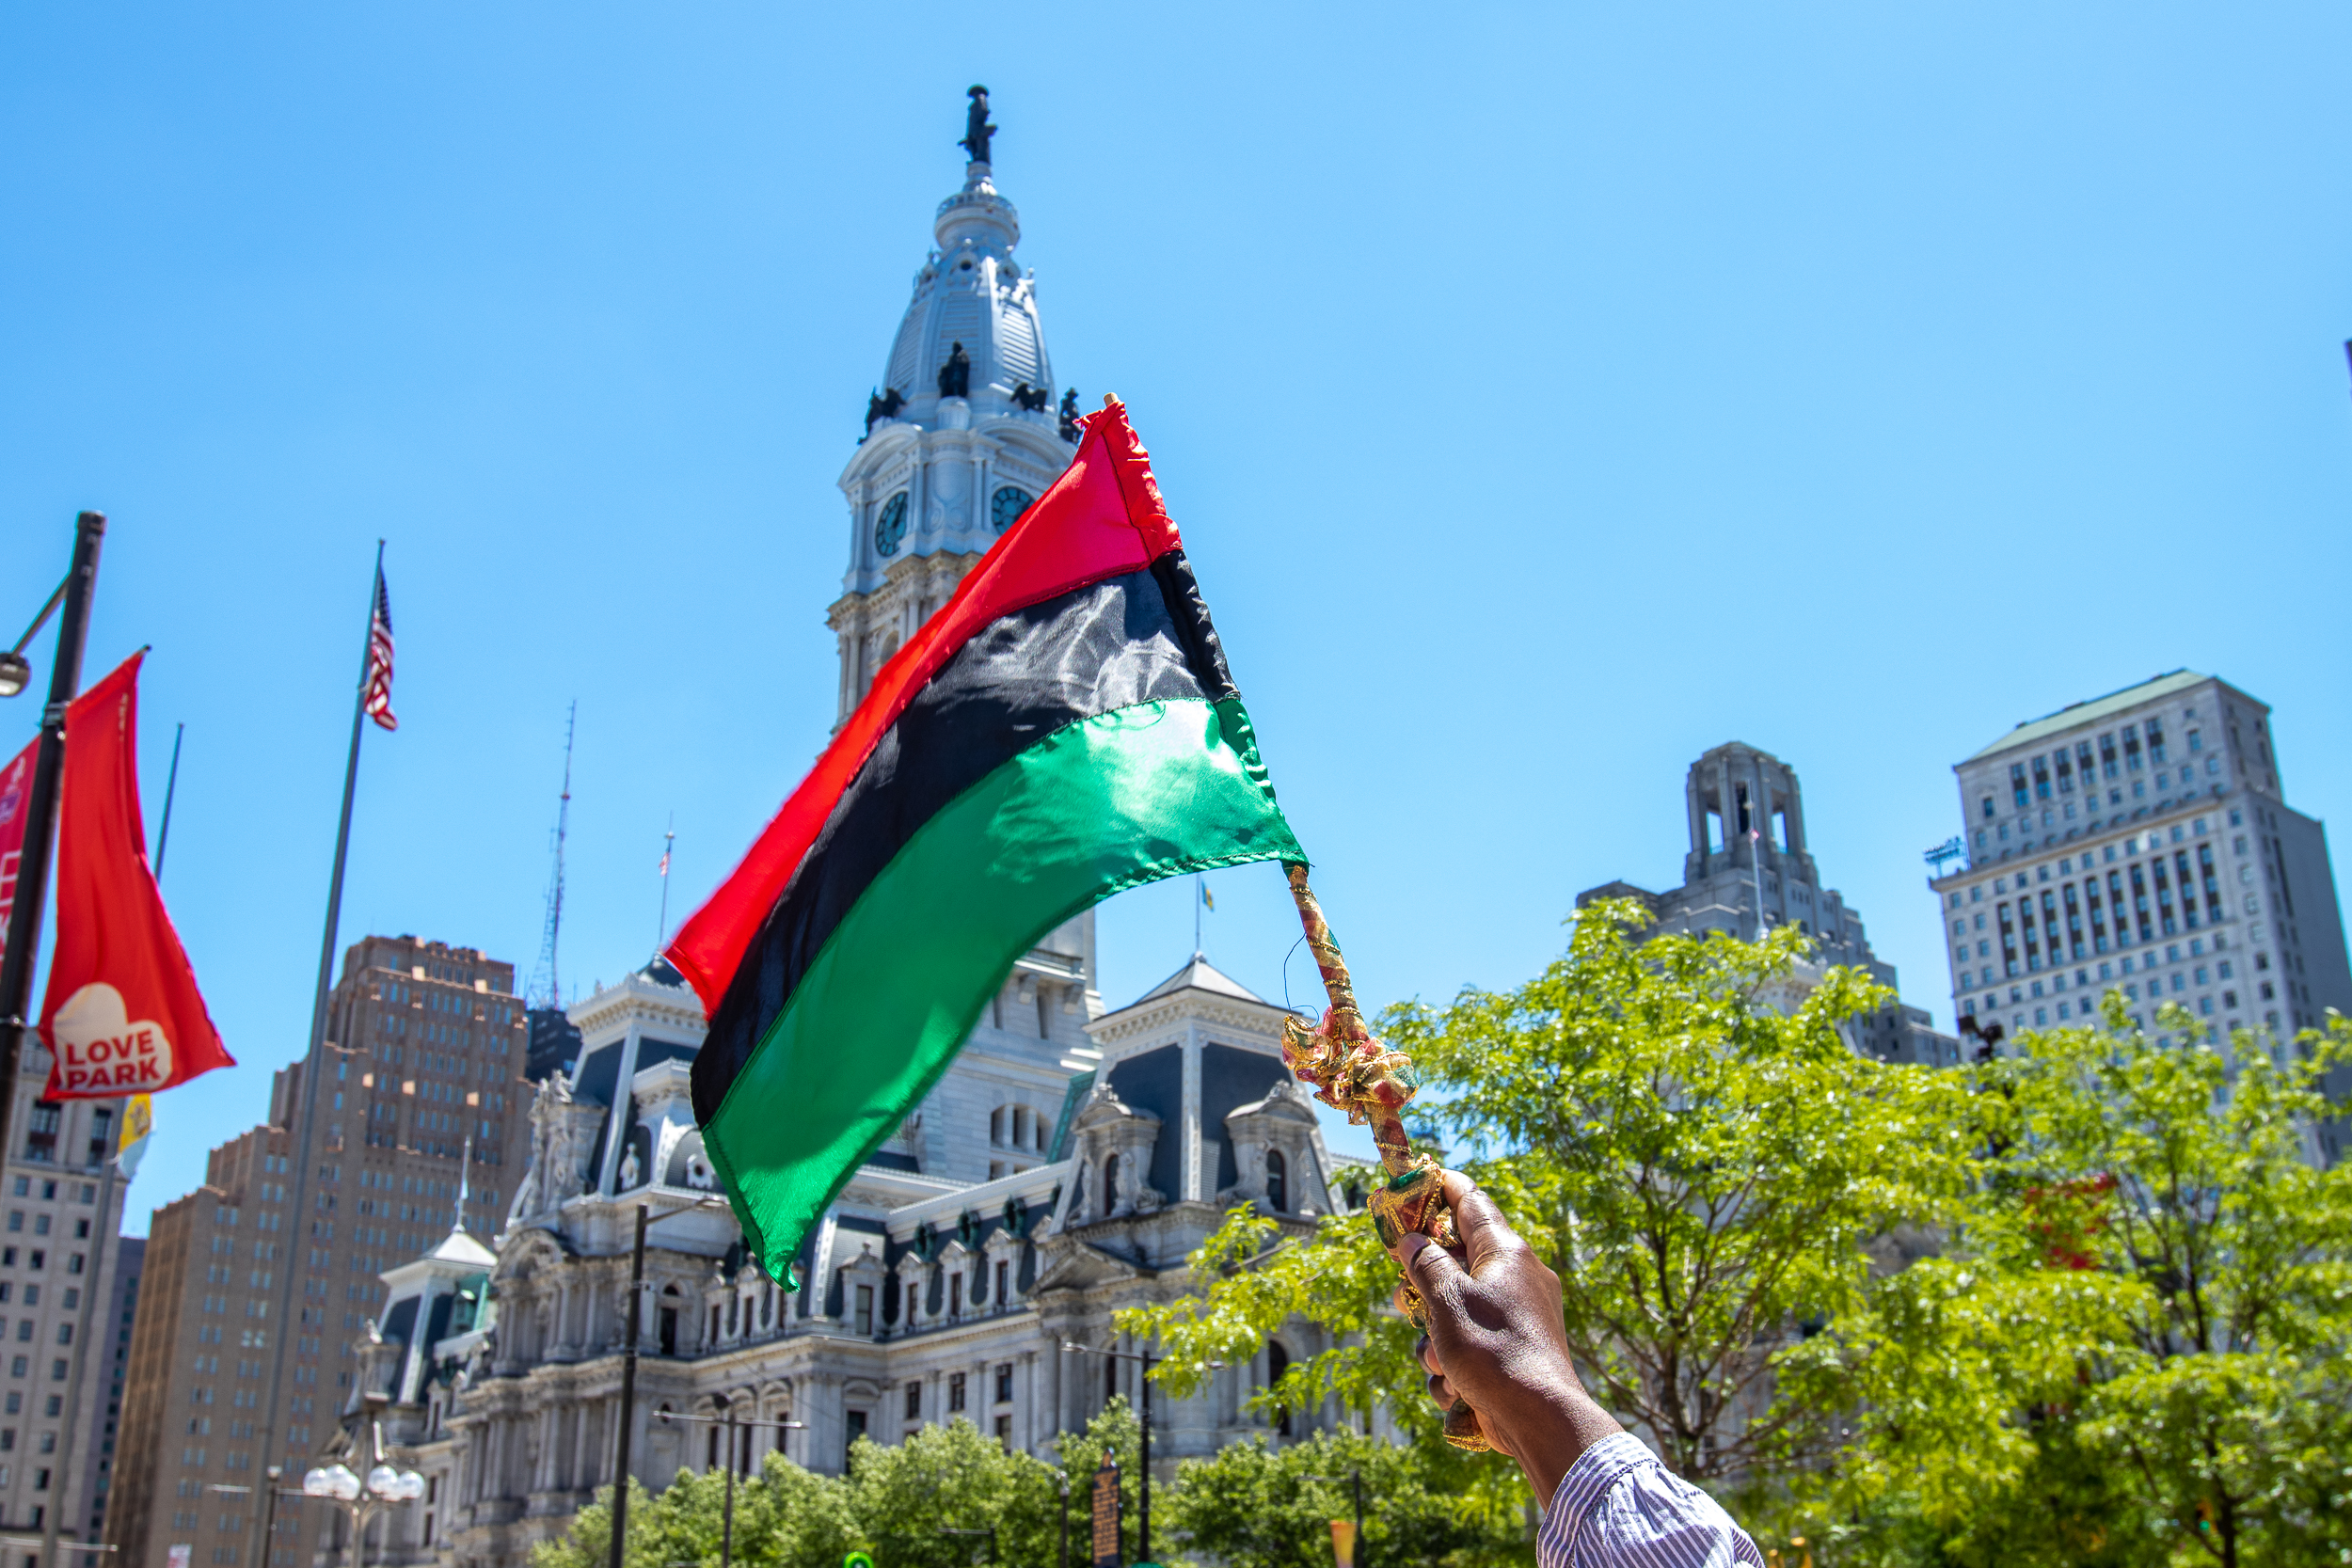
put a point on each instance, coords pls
(2139, 1348)
(1252, 1506)
(784, 1517)
(897, 1501)
(907, 1496)
(1115, 1430)
(1682, 1131)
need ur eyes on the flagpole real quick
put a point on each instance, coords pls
(40, 808)
(669, 837)
(312, 1064)
(171, 788)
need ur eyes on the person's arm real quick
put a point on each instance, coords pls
(1496, 1338)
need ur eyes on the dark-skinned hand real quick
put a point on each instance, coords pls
(1496, 1339)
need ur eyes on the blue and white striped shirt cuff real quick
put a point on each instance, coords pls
(1618, 1507)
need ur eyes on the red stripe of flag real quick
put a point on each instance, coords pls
(378, 702)
(1102, 517)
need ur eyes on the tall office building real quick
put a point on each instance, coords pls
(59, 1254)
(1749, 869)
(112, 1338)
(422, 1063)
(2142, 841)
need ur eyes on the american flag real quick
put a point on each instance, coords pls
(378, 702)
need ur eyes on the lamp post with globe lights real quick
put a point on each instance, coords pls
(385, 1487)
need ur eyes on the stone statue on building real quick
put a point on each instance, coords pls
(977, 130)
(630, 1169)
(955, 376)
(1029, 398)
(1069, 416)
(883, 405)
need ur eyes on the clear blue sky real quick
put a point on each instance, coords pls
(1546, 396)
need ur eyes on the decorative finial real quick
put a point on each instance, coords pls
(977, 130)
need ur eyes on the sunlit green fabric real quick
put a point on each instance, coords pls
(1108, 803)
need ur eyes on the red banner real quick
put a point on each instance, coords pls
(16, 788)
(123, 1013)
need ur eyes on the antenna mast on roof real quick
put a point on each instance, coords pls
(545, 990)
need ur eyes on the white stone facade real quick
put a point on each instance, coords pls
(929, 1296)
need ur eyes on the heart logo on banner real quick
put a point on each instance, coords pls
(99, 1048)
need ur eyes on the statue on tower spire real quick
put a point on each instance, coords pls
(977, 130)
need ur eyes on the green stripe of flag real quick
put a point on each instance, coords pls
(1104, 804)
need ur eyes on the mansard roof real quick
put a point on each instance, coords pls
(1200, 975)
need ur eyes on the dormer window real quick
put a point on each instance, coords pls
(1277, 1186)
(1110, 1183)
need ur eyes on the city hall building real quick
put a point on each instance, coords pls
(1060, 1170)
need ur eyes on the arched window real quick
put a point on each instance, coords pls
(1278, 1181)
(1110, 1183)
(1278, 1361)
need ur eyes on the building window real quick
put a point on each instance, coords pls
(1004, 1383)
(914, 1401)
(1278, 1361)
(866, 1309)
(1004, 1432)
(41, 1136)
(1277, 1187)
(955, 1392)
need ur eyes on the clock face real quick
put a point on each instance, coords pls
(1006, 506)
(891, 527)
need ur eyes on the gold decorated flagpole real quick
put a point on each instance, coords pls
(1352, 1071)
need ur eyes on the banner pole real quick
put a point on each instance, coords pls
(41, 806)
(313, 1063)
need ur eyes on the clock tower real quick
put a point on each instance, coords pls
(962, 436)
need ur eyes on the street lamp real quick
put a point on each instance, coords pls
(40, 805)
(1143, 1498)
(385, 1487)
(16, 671)
(726, 1530)
(1355, 1478)
(271, 1491)
(629, 1364)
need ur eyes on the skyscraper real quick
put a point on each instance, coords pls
(60, 1243)
(2142, 842)
(111, 1337)
(422, 1073)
